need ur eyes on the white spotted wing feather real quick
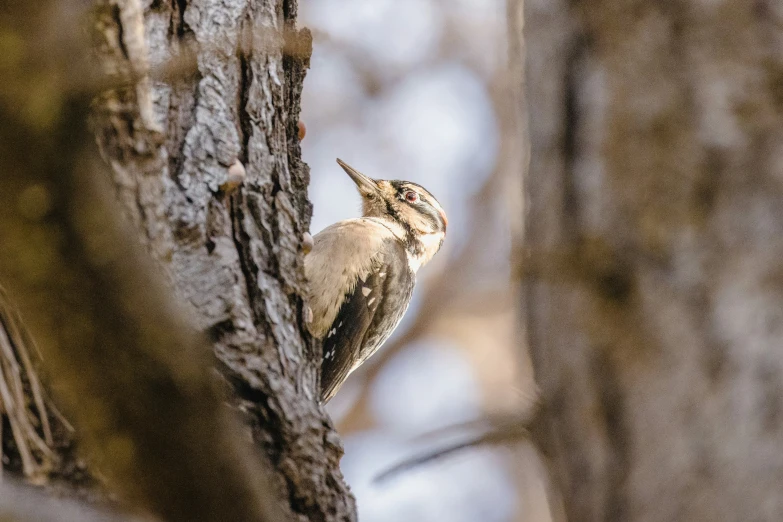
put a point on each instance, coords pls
(370, 265)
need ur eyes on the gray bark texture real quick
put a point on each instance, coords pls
(236, 258)
(654, 297)
(231, 256)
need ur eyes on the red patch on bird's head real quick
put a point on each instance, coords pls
(445, 219)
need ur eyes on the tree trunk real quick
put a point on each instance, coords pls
(231, 254)
(654, 237)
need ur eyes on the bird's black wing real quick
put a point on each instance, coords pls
(344, 339)
(357, 330)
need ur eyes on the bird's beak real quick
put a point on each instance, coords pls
(366, 185)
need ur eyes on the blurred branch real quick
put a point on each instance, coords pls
(295, 44)
(501, 429)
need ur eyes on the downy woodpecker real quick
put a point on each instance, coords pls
(362, 271)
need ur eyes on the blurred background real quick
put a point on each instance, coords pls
(396, 90)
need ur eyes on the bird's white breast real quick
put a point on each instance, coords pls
(342, 255)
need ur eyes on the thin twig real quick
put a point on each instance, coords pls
(14, 343)
(28, 462)
(21, 340)
(510, 431)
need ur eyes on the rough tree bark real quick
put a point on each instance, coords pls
(233, 256)
(237, 259)
(654, 236)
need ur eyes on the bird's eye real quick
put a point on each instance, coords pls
(411, 196)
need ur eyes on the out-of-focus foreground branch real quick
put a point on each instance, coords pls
(132, 374)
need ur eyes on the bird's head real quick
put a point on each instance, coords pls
(409, 206)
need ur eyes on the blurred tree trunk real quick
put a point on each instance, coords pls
(232, 255)
(654, 302)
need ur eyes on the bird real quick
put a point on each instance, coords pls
(362, 271)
